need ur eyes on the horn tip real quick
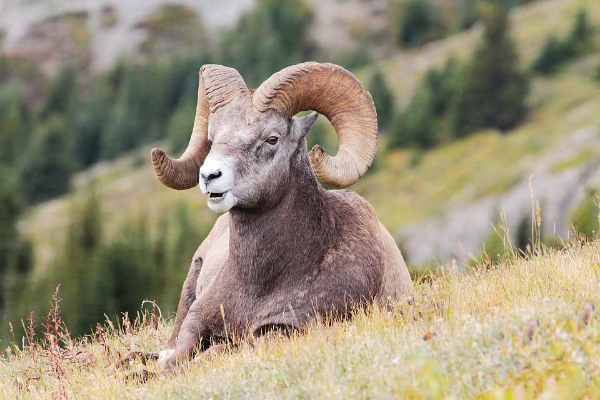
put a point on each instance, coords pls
(157, 156)
(317, 153)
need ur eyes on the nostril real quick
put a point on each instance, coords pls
(212, 176)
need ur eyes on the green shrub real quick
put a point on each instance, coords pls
(584, 217)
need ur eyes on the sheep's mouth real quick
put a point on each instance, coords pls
(216, 197)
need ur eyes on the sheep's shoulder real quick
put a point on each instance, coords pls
(357, 236)
(353, 209)
(219, 230)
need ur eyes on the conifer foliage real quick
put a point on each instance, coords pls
(495, 90)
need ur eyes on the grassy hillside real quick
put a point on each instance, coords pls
(484, 164)
(524, 329)
(530, 26)
(488, 163)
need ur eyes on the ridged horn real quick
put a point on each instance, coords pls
(334, 92)
(218, 86)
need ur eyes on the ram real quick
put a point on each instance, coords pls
(286, 249)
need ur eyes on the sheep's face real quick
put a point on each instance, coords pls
(249, 160)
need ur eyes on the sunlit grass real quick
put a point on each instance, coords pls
(523, 329)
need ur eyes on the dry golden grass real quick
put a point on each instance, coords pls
(524, 329)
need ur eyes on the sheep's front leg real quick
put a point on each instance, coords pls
(190, 337)
(186, 299)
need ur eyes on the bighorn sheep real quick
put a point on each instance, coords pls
(286, 249)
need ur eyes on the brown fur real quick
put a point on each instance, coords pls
(289, 251)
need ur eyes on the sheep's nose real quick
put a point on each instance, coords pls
(210, 176)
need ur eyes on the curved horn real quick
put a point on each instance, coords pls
(334, 92)
(218, 85)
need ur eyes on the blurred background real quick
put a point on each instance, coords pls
(482, 104)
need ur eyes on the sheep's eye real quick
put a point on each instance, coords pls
(272, 140)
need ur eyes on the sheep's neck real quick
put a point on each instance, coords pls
(285, 242)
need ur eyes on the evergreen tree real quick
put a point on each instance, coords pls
(126, 123)
(181, 241)
(84, 289)
(62, 95)
(89, 124)
(424, 122)
(553, 54)
(507, 4)
(383, 99)
(557, 51)
(415, 127)
(268, 38)
(140, 112)
(47, 165)
(418, 23)
(580, 38)
(180, 126)
(495, 89)
(468, 14)
(15, 252)
(14, 116)
(127, 259)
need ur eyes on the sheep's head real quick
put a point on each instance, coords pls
(242, 140)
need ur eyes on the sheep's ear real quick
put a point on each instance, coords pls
(302, 125)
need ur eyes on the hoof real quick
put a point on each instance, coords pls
(163, 355)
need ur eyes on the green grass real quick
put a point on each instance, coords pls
(524, 329)
(581, 158)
